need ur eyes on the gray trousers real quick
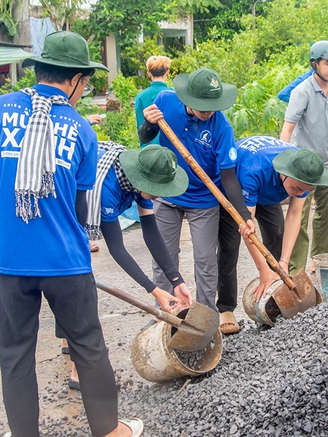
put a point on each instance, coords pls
(203, 224)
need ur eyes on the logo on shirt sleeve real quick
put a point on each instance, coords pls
(233, 154)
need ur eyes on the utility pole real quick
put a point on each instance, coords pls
(254, 11)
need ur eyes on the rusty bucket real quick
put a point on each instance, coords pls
(321, 274)
(156, 361)
(275, 303)
(266, 310)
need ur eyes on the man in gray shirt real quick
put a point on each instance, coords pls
(306, 125)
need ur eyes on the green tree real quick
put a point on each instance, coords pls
(223, 19)
(62, 12)
(126, 19)
(7, 20)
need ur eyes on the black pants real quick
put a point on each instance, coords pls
(271, 223)
(73, 300)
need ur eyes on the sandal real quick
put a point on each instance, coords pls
(135, 425)
(65, 350)
(74, 385)
(228, 323)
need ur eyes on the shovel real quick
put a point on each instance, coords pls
(193, 333)
(297, 294)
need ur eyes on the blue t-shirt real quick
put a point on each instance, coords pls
(55, 244)
(260, 182)
(284, 94)
(114, 200)
(210, 142)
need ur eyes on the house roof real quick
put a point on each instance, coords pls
(11, 53)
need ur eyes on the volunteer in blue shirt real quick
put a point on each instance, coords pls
(47, 163)
(127, 176)
(270, 170)
(193, 110)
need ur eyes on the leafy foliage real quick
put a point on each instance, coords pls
(7, 19)
(126, 19)
(26, 81)
(120, 125)
(61, 12)
(135, 55)
(259, 53)
(100, 82)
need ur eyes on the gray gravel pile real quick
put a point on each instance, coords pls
(269, 382)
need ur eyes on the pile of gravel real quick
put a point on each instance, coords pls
(269, 382)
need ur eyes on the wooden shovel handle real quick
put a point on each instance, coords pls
(120, 294)
(224, 201)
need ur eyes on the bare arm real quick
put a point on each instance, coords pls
(287, 131)
(267, 276)
(292, 227)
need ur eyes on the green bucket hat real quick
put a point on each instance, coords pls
(203, 90)
(304, 165)
(65, 49)
(154, 170)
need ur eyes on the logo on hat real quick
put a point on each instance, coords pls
(203, 90)
(174, 166)
(215, 84)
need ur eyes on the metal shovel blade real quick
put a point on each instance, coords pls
(297, 300)
(197, 329)
(194, 326)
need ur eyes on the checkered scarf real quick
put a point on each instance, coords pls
(37, 160)
(109, 158)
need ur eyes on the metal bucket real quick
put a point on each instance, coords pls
(266, 310)
(321, 274)
(155, 361)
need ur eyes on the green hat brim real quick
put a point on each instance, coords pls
(178, 186)
(280, 165)
(29, 62)
(227, 99)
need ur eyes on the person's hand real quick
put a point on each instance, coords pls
(246, 231)
(251, 227)
(152, 114)
(182, 292)
(166, 301)
(94, 118)
(267, 277)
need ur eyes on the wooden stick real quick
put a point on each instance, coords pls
(224, 201)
